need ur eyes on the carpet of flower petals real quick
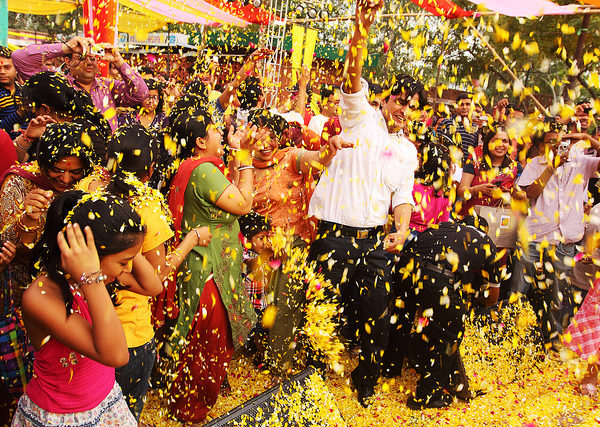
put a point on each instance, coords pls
(547, 397)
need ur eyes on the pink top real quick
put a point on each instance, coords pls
(428, 209)
(65, 381)
(557, 214)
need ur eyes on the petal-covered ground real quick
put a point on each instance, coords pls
(548, 396)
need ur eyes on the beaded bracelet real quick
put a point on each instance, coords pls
(27, 229)
(27, 139)
(91, 278)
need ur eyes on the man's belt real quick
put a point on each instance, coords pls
(438, 269)
(347, 231)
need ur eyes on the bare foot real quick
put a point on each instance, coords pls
(588, 389)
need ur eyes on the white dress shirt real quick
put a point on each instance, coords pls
(557, 214)
(361, 183)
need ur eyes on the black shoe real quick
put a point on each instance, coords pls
(462, 394)
(418, 404)
(391, 372)
(364, 392)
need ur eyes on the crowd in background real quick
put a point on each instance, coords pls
(140, 215)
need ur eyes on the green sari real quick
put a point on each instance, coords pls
(222, 258)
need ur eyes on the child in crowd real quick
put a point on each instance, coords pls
(131, 157)
(254, 228)
(255, 275)
(89, 241)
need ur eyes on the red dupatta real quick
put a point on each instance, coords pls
(164, 305)
(30, 171)
(180, 183)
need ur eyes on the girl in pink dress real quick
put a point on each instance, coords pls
(431, 188)
(583, 337)
(89, 241)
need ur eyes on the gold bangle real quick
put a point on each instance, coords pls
(27, 229)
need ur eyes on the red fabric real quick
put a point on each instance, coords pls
(310, 140)
(507, 181)
(204, 360)
(584, 329)
(40, 180)
(308, 114)
(444, 8)
(180, 182)
(164, 306)
(9, 153)
(244, 10)
(332, 128)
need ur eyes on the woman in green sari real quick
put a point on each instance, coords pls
(215, 315)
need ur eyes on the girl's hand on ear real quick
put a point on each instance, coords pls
(78, 253)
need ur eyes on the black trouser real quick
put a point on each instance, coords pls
(434, 346)
(403, 310)
(350, 261)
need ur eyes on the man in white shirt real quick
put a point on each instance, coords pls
(555, 183)
(330, 101)
(353, 198)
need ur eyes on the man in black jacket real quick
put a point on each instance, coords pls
(441, 273)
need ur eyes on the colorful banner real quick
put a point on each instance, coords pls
(526, 8)
(444, 8)
(191, 11)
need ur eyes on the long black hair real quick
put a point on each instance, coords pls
(61, 140)
(131, 150)
(53, 90)
(435, 167)
(115, 225)
(190, 124)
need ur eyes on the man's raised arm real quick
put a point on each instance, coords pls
(357, 53)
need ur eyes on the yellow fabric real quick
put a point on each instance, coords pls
(140, 25)
(594, 2)
(134, 309)
(172, 4)
(42, 7)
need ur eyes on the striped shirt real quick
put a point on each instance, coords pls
(10, 103)
(461, 136)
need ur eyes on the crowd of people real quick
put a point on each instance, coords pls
(139, 219)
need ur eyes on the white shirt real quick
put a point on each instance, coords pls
(317, 123)
(290, 116)
(361, 183)
(557, 213)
